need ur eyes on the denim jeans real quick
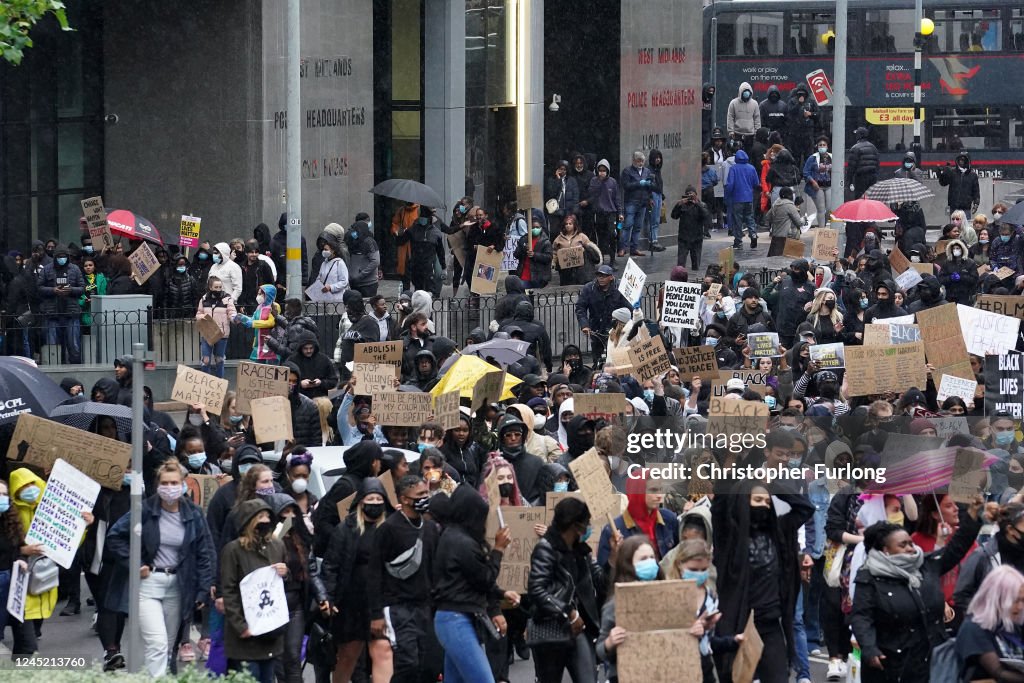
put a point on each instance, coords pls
(213, 356)
(635, 218)
(802, 663)
(743, 215)
(821, 199)
(464, 657)
(655, 217)
(66, 330)
(812, 605)
(159, 619)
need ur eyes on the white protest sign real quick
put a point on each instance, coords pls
(985, 332)
(57, 523)
(907, 279)
(956, 386)
(682, 304)
(632, 283)
(19, 589)
(263, 601)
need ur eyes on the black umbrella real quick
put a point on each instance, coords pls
(1015, 215)
(24, 388)
(81, 415)
(409, 191)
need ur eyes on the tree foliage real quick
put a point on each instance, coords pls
(17, 17)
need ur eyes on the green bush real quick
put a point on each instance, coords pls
(96, 675)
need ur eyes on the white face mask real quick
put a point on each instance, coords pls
(299, 486)
(958, 253)
(997, 215)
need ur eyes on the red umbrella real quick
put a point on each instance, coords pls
(864, 211)
(136, 227)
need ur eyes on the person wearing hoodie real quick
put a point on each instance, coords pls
(317, 374)
(783, 172)
(862, 163)
(959, 275)
(427, 257)
(534, 333)
(199, 269)
(910, 169)
(563, 190)
(694, 524)
(964, 189)
(255, 273)
(787, 296)
(362, 460)
(364, 256)
(801, 121)
(216, 304)
(885, 306)
(929, 294)
(295, 323)
(694, 225)
(637, 184)
(279, 252)
(263, 320)
(534, 254)
(515, 291)
(60, 286)
(425, 370)
(227, 270)
(105, 390)
(332, 278)
(743, 117)
(512, 434)
(462, 452)
(306, 430)
(255, 548)
(605, 200)
(783, 218)
(657, 161)
(707, 110)
(26, 490)
(773, 111)
(123, 377)
(740, 184)
(581, 173)
(749, 314)
(818, 180)
(181, 292)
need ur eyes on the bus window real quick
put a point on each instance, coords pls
(1015, 38)
(806, 30)
(750, 33)
(974, 30)
(887, 31)
(954, 129)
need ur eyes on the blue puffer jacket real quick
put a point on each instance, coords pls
(741, 180)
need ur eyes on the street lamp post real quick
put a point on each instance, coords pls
(925, 27)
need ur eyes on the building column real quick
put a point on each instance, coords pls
(444, 85)
(530, 93)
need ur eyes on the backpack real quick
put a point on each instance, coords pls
(945, 666)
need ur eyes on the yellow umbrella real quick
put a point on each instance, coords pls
(464, 375)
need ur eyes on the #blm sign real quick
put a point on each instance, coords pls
(256, 380)
(378, 352)
(195, 386)
(825, 242)
(96, 218)
(1012, 306)
(682, 304)
(699, 361)
(515, 561)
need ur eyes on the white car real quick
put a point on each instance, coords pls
(329, 465)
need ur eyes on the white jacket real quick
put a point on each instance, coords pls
(228, 271)
(333, 274)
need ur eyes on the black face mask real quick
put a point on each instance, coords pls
(574, 363)
(829, 305)
(373, 510)
(264, 528)
(505, 490)
(421, 505)
(760, 517)
(1015, 479)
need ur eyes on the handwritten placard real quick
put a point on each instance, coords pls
(374, 378)
(202, 488)
(378, 352)
(446, 409)
(898, 261)
(1005, 272)
(17, 593)
(529, 196)
(96, 218)
(144, 263)
(883, 334)
(726, 259)
(485, 271)
(457, 242)
(987, 333)
(257, 380)
(189, 232)
(883, 369)
(515, 561)
(656, 605)
(657, 656)
(697, 361)
(599, 406)
(785, 246)
(39, 443)
(632, 283)
(57, 524)
(195, 386)
(755, 380)
(489, 389)
(970, 475)
(682, 304)
(714, 289)
(570, 257)
(650, 359)
(732, 416)
(826, 241)
(828, 356)
(744, 666)
(944, 343)
(272, 419)
(956, 386)
(402, 408)
(209, 329)
(1003, 304)
(595, 487)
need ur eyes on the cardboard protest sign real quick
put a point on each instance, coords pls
(594, 406)
(552, 499)
(202, 488)
(985, 332)
(656, 605)
(733, 416)
(18, 591)
(883, 334)
(96, 218)
(144, 263)
(485, 271)
(388, 482)
(621, 360)
(744, 665)
(315, 293)
(970, 476)
(488, 390)
(595, 487)
(881, 369)
(632, 283)
(714, 289)
(1005, 272)
(944, 343)
(57, 524)
(193, 386)
(344, 504)
(188, 235)
(923, 268)
(697, 361)
(209, 329)
(529, 196)
(763, 344)
(785, 246)
(457, 242)
(682, 304)
(264, 603)
(258, 380)
(1004, 384)
(374, 378)
(570, 257)
(1002, 304)
(828, 356)
(378, 352)
(657, 655)
(898, 261)
(515, 561)
(956, 386)
(726, 259)
(446, 409)
(825, 242)
(39, 443)
(755, 380)
(650, 359)
(907, 279)
(402, 408)
(272, 419)
(946, 427)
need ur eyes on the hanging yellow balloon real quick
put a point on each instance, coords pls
(927, 26)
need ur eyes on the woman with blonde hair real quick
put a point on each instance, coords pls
(992, 631)
(967, 234)
(323, 404)
(825, 317)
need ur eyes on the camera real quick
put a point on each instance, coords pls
(112, 119)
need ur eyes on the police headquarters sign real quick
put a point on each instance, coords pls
(659, 90)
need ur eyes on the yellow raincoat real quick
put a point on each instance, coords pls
(36, 606)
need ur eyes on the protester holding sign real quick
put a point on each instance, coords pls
(534, 255)
(218, 307)
(633, 559)
(571, 237)
(28, 491)
(11, 553)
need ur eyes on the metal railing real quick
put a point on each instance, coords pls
(172, 337)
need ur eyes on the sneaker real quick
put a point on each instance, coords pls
(112, 661)
(753, 242)
(737, 245)
(655, 246)
(835, 670)
(816, 651)
(804, 680)
(204, 649)
(186, 653)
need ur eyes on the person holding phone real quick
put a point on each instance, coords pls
(61, 286)
(694, 223)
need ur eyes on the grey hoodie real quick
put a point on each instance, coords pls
(604, 196)
(743, 117)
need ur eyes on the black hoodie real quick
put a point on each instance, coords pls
(359, 461)
(465, 569)
(109, 388)
(887, 309)
(707, 110)
(534, 333)
(515, 292)
(224, 499)
(773, 111)
(318, 366)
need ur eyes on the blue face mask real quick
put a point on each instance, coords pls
(242, 469)
(235, 419)
(712, 341)
(196, 460)
(586, 534)
(29, 494)
(561, 486)
(649, 395)
(1004, 238)
(202, 256)
(181, 269)
(692, 575)
(216, 258)
(62, 261)
(463, 208)
(5, 504)
(421, 447)
(770, 402)
(354, 234)
(646, 570)
(87, 249)
(1004, 438)
(794, 463)
(127, 479)
(746, 95)
(864, 303)
(422, 221)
